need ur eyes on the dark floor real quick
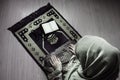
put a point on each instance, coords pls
(88, 17)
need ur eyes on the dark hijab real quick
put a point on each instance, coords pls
(99, 59)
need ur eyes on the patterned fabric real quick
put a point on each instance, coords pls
(95, 59)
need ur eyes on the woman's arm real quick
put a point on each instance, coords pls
(57, 65)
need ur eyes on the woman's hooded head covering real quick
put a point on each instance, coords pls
(99, 60)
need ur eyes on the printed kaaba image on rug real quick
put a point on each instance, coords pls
(44, 32)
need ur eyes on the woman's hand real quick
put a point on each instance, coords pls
(72, 48)
(56, 63)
